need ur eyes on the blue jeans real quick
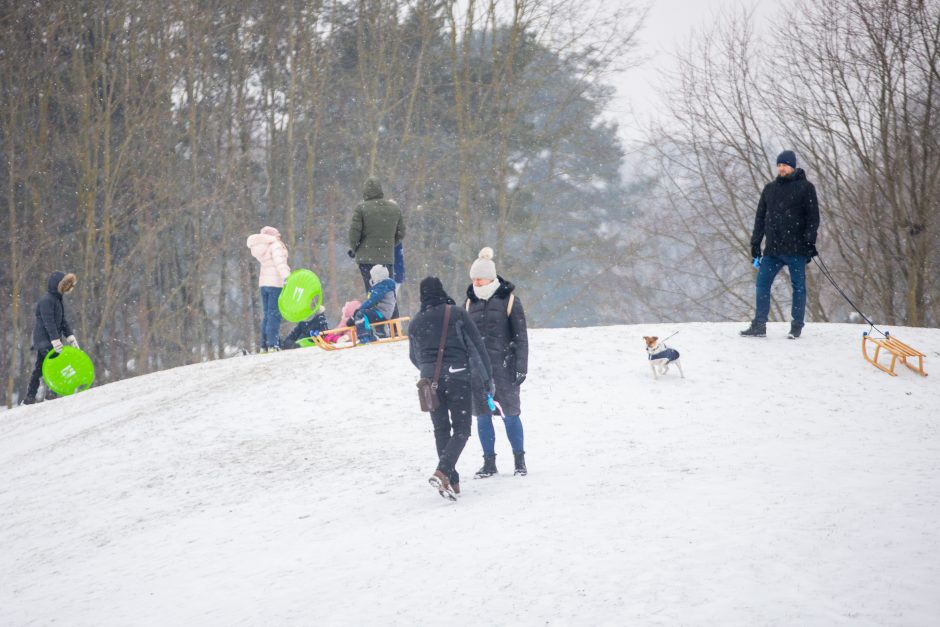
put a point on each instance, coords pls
(271, 322)
(487, 433)
(769, 267)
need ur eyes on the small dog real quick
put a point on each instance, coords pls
(661, 356)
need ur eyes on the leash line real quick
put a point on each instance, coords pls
(826, 273)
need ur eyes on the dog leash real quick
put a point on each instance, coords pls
(494, 406)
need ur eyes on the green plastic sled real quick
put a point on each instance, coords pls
(306, 342)
(300, 296)
(68, 372)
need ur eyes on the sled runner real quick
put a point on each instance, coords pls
(897, 349)
(393, 328)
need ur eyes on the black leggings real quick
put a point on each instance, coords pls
(452, 420)
(37, 373)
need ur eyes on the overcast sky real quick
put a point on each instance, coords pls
(668, 26)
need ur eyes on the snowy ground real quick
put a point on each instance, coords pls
(781, 483)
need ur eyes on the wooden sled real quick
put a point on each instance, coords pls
(394, 328)
(897, 349)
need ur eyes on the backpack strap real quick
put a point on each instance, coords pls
(512, 299)
(440, 348)
(467, 305)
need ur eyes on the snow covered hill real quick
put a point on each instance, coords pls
(781, 483)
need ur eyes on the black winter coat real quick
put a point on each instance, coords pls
(507, 342)
(50, 316)
(464, 352)
(788, 216)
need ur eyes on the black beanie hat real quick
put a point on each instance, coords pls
(787, 157)
(433, 294)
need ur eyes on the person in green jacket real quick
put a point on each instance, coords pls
(377, 227)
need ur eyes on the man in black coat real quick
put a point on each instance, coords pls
(51, 326)
(464, 354)
(788, 218)
(500, 317)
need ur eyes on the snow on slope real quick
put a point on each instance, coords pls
(781, 483)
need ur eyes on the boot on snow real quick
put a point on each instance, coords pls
(757, 329)
(520, 464)
(795, 329)
(441, 483)
(488, 469)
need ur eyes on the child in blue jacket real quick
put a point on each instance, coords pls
(380, 305)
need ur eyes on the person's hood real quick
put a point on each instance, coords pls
(52, 285)
(373, 189)
(261, 239)
(433, 294)
(270, 230)
(349, 309)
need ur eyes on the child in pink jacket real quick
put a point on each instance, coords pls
(345, 320)
(271, 252)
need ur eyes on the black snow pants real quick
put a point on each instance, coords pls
(452, 420)
(37, 373)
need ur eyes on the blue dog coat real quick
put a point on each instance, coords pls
(670, 354)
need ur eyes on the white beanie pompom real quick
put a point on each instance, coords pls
(483, 267)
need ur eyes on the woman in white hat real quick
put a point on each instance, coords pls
(498, 314)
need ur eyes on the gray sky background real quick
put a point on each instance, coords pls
(668, 28)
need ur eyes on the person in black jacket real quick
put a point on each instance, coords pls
(314, 325)
(787, 218)
(500, 317)
(464, 354)
(51, 326)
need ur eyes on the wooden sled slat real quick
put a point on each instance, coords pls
(897, 349)
(395, 334)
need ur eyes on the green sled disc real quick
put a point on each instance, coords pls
(68, 372)
(305, 342)
(301, 295)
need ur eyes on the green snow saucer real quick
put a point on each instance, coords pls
(301, 295)
(68, 372)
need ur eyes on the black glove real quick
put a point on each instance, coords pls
(351, 253)
(520, 377)
(755, 252)
(812, 250)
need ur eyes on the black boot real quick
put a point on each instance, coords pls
(520, 464)
(795, 329)
(757, 329)
(489, 467)
(29, 400)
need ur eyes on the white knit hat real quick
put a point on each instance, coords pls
(483, 267)
(378, 273)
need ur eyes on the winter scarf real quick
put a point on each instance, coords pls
(484, 292)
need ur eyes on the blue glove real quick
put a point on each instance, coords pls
(757, 262)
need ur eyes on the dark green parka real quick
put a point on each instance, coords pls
(377, 226)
